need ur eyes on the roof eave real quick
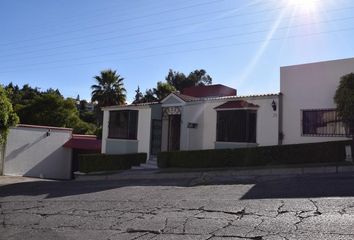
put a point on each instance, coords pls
(239, 108)
(145, 105)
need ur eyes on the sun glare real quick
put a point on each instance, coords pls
(308, 6)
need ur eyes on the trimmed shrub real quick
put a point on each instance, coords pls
(325, 152)
(104, 162)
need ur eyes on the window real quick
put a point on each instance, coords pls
(236, 126)
(323, 122)
(123, 124)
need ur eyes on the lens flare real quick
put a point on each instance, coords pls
(309, 6)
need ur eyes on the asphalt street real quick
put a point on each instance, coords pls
(306, 207)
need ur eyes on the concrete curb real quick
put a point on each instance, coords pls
(5, 180)
(231, 173)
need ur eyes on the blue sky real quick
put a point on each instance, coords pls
(240, 43)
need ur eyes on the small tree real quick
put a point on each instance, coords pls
(200, 78)
(149, 96)
(163, 89)
(180, 81)
(138, 96)
(8, 117)
(344, 99)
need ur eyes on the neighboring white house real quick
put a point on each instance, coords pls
(209, 117)
(308, 108)
(214, 116)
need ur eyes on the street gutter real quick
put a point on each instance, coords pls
(231, 173)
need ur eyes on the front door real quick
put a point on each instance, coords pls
(174, 132)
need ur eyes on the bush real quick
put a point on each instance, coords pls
(8, 117)
(104, 162)
(325, 152)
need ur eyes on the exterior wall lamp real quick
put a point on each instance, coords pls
(274, 106)
(192, 125)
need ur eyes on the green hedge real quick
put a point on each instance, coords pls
(325, 152)
(105, 162)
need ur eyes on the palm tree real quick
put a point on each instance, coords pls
(109, 89)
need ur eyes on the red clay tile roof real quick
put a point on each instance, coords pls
(236, 104)
(245, 96)
(194, 99)
(84, 142)
(217, 90)
(186, 98)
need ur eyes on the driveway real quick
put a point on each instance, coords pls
(306, 207)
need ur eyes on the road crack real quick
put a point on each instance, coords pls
(133, 230)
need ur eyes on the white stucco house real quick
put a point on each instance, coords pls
(208, 117)
(211, 117)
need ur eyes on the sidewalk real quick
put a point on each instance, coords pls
(201, 174)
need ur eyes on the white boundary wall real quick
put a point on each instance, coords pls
(31, 152)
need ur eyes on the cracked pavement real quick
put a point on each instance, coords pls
(308, 207)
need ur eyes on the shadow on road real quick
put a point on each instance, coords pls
(54, 189)
(304, 187)
(260, 188)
